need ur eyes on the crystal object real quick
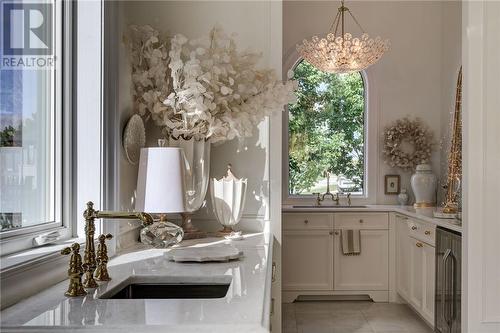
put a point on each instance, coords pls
(161, 234)
(339, 52)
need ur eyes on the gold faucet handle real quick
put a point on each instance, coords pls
(103, 238)
(75, 271)
(318, 198)
(101, 273)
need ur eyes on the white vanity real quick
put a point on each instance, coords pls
(396, 263)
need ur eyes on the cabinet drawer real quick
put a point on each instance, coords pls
(304, 221)
(362, 221)
(425, 232)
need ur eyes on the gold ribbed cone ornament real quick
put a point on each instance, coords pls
(454, 177)
(342, 53)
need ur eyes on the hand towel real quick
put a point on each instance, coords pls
(351, 242)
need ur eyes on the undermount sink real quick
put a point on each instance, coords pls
(164, 287)
(328, 206)
(169, 291)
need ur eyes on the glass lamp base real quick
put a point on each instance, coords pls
(161, 234)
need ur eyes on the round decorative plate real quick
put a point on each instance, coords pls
(217, 253)
(134, 138)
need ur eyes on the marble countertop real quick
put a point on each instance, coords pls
(424, 214)
(245, 308)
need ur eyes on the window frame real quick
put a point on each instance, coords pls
(370, 131)
(16, 240)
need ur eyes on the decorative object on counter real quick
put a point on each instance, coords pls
(454, 175)
(75, 271)
(161, 190)
(134, 138)
(403, 197)
(228, 200)
(235, 235)
(101, 272)
(196, 179)
(90, 215)
(392, 184)
(407, 143)
(423, 183)
(212, 253)
(202, 88)
(340, 53)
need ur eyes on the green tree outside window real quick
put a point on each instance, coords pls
(326, 132)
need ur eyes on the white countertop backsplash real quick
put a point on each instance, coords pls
(245, 308)
(424, 214)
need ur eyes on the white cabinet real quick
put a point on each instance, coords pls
(314, 265)
(429, 281)
(402, 257)
(367, 271)
(307, 260)
(415, 270)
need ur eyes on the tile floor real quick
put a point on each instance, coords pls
(351, 317)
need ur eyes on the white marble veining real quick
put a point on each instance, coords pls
(245, 308)
(424, 214)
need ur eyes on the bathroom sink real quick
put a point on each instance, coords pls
(168, 291)
(328, 206)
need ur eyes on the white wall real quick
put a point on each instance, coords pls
(412, 79)
(252, 22)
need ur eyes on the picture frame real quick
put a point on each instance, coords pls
(392, 184)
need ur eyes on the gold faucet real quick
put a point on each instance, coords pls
(321, 197)
(89, 258)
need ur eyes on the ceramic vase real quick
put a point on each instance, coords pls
(228, 200)
(403, 197)
(196, 176)
(423, 183)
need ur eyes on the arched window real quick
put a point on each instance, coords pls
(326, 132)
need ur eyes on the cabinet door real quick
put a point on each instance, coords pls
(367, 271)
(402, 258)
(429, 260)
(307, 260)
(416, 273)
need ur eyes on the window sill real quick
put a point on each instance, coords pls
(20, 259)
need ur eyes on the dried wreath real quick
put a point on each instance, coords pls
(407, 132)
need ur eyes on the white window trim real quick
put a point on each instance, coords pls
(13, 241)
(371, 142)
(83, 151)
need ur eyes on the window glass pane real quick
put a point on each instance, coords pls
(326, 132)
(28, 117)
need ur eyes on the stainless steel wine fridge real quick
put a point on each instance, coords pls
(448, 281)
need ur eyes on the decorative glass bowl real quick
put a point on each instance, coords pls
(161, 234)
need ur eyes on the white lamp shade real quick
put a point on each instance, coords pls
(160, 182)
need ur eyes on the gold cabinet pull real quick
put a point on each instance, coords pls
(361, 221)
(337, 233)
(272, 306)
(306, 221)
(427, 232)
(418, 244)
(331, 232)
(273, 272)
(414, 227)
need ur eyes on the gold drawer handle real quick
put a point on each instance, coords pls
(427, 232)
(273, 272)
(306, 221)
(337, 233)
(414, 227)
(361, 221)
(419, 244)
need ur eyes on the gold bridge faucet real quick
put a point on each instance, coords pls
(89, 258)
(335, 197)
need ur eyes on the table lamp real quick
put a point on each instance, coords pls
(161, 191)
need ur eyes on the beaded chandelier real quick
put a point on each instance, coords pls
(342, 53)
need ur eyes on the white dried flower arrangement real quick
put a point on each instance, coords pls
(208, 89)
(413, 132)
